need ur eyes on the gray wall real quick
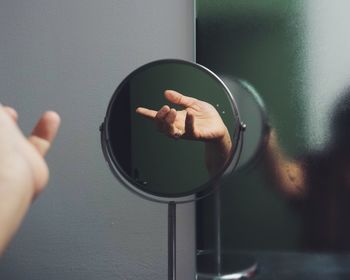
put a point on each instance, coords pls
(328, 64)
(70, 56)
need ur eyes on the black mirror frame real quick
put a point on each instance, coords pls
(201, 191)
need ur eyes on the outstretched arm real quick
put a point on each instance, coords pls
(288, 175)
(23, 170)
(198, 121)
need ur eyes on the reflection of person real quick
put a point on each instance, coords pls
(23, 170)
(199, 121)
(319, 184)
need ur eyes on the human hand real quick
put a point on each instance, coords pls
(23, 170)
(22, 163)
(198, 120)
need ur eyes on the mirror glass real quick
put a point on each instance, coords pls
(296, 54)
(171, 129)
(253, 113)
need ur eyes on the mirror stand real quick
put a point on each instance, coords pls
(136, 156)
(171, 240)
(228, 265)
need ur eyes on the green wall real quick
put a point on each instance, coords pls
(261, 42)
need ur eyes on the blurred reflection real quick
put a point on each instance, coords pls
(199, 121)
(318, 183)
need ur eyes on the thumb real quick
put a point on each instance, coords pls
(179, 99)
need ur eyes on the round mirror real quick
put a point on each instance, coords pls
(252, 110)
(172, 128)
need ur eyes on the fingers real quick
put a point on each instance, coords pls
(165, 120)
(179, 99)
(151, 114)
(11, 112)
(189, 125)
(160, 117)
(169, 123)
(45, 131)
(171, 117)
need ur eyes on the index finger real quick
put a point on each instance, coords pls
(151, 114)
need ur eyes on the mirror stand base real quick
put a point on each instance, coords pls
(233, 266)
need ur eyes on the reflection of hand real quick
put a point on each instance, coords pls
(23, 170)
(198, 120)
(287, 174)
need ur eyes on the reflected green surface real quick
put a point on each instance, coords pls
(296, 55)
(252, 110)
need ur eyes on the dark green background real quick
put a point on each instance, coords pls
(261, 42)
(171, 167)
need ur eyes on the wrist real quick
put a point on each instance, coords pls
(224, 140)
(15, 200)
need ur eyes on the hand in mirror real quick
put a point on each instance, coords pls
(287, 174)
(318, 182)
(198, 121)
